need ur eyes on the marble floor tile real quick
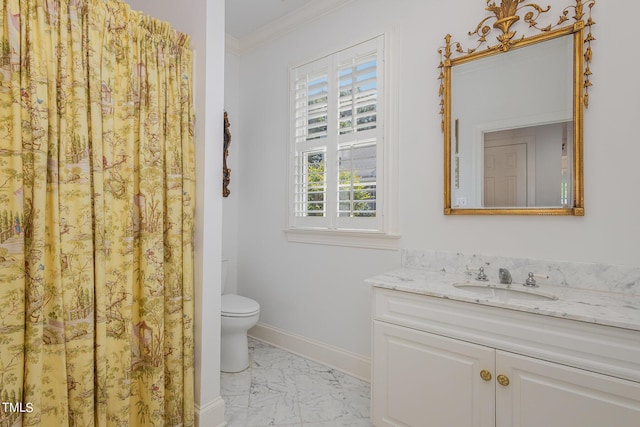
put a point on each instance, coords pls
(234, 384)
(285, 390)
(236, 409)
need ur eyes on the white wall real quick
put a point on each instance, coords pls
(205, 24)
(317, 291)
(230, 204)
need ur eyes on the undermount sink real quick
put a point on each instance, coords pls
(505, 292)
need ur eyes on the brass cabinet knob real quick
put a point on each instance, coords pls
(503, 380)
(485, 375)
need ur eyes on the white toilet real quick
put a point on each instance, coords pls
(239, 314)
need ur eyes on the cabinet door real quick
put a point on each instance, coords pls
(421, 379)
(547, 394)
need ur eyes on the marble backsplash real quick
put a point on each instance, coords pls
(598, 277)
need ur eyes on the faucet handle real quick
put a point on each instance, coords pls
(530, 282)
(481, 275)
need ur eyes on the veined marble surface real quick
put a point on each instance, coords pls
(616, 303)
(282, 389)
(597, 277)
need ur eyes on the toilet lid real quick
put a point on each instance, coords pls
(234, 305)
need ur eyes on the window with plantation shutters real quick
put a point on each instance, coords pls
(335, 167)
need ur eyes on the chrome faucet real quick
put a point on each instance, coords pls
(505, 276)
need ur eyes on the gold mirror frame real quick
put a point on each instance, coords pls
(504, 16)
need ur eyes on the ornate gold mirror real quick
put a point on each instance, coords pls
(512, 112)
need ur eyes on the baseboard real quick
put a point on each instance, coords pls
(350, 363)
(210, 414)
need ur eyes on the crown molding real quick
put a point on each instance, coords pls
(284, 25)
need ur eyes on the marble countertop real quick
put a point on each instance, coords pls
(586, 305)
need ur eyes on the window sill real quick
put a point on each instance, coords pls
(351, 238)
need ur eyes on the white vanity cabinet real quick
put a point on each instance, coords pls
(542, 393)
(439, 362)
(423, 379)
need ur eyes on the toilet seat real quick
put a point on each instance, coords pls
(238, 306)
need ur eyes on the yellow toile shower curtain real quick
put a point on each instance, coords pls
(96, 217)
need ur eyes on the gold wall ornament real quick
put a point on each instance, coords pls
(506, 15)
(503, 24)
(226, 172)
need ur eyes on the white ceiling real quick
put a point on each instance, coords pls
(243, 17)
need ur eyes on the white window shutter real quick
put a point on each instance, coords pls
(337, 137)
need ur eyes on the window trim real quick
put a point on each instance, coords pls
(386, 236)
(349, 238)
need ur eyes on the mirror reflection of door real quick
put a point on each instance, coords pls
(528, 166)
(505, 173)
